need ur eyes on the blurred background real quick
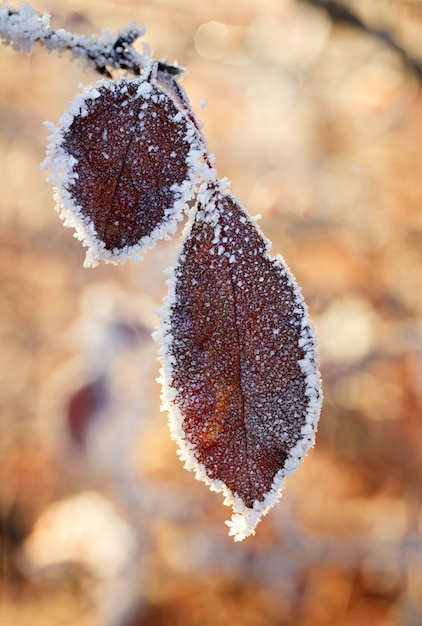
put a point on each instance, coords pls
(318, 125)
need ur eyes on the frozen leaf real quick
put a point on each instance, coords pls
(124, 160)
(239, 367)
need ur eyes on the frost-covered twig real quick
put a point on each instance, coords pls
(24, 27)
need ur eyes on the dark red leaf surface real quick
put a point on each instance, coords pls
(240, 361)
(133, 157)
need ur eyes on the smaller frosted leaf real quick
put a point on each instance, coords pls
(124, 161)
(239, 365)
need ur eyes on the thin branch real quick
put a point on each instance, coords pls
(23, 28)
(340, 14)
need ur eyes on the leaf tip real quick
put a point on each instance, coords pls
(240, 527)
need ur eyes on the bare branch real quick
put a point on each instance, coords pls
(340, 14)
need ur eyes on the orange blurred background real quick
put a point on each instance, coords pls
(318, 127)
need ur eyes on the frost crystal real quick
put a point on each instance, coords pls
(22, 29)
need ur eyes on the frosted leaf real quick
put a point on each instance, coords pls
(124, 161)
(239, 367)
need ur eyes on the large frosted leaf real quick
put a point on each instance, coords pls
(239, 367)
(124, 161)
